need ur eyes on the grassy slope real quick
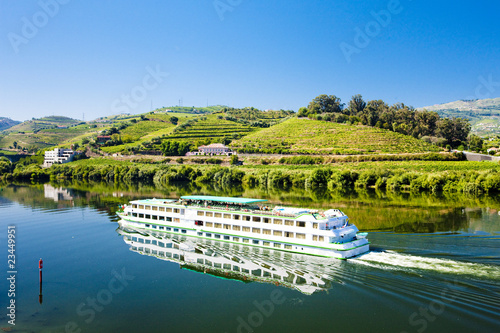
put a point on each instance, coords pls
(319, 137)
(211, 128)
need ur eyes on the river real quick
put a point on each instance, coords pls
(434, 266)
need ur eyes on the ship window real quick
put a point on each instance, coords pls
(162, 228)
(217, 236)
(236, 239)
(177, 220)
(169, 210)
(176, 210)
(266, 231)
(148, 216)
(289, 222)
(141, 216)
(218, 225)
(315, 225)
(256, 219)
(208, 234)
(226, 237)
(134, 239)
(162, 209)
(148, 241)
(227, 216)
(154, 226)
(134, 214)
(218, 215)
(277, 233)
(236, 227)
(208, 262)
(168, 228)
(244, 270)
(176, 256)
(300, 236)
(288, 247)
(147, 207)
(246, 218)
(209, 214)
(200, 213)
(256, 230)
(256, 242)
(210, 224)
(289, 234)
(176, 230)
(183, 231)
(266, 243)
(278, 221)
(217, 265)
(321, 238)
(154, 242)
(161, 218)
(315, 237)
(140, 240)
(245, 240)
(161, 253)
(169, 219)
(301, 224)
(200, 234)
(155, 217)
(141, 206)
(226, 266)
(236, 217)
(155, 208)
(147, 226)
(168, 254)
(227, 226)
(267, 220)
(246, 229)
(161, 244)
(277, 245)
(134, 206)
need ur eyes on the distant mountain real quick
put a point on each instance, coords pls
(37, 124)
(6, 123)
(484, 114)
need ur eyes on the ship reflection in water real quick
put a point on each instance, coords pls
(307, 274)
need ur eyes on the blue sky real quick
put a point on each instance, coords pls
(70, 57)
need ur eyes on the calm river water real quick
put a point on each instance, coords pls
(434, 267)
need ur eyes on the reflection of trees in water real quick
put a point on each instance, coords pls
(453, 220)
(368, 209)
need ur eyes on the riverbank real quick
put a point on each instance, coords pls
(474, 178)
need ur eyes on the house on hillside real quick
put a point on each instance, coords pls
(213, 149)
(58, 156)
(103, 139)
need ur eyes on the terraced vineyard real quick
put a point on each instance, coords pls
(210, 128)
(304, 136)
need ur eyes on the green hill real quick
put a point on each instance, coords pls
(305, 136)
(6, 123)
(484, 114)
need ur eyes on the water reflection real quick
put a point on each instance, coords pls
(306, 274)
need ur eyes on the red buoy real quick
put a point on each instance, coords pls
(40, 263)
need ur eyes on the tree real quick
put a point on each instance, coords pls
(234, 160)
(356, 105)
(475, 143)
(454, 130)
(302, 112)
(325, 104)
(174, 120)
(15, 144)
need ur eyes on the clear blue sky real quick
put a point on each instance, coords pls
(86, 56)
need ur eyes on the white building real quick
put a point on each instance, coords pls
(213, 149)
(58, 156)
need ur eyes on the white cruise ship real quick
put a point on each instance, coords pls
(249, 222)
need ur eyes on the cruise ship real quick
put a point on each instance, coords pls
(250, 222)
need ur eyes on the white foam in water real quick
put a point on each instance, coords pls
(400, 261)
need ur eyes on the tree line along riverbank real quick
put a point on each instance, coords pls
(452, 176)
